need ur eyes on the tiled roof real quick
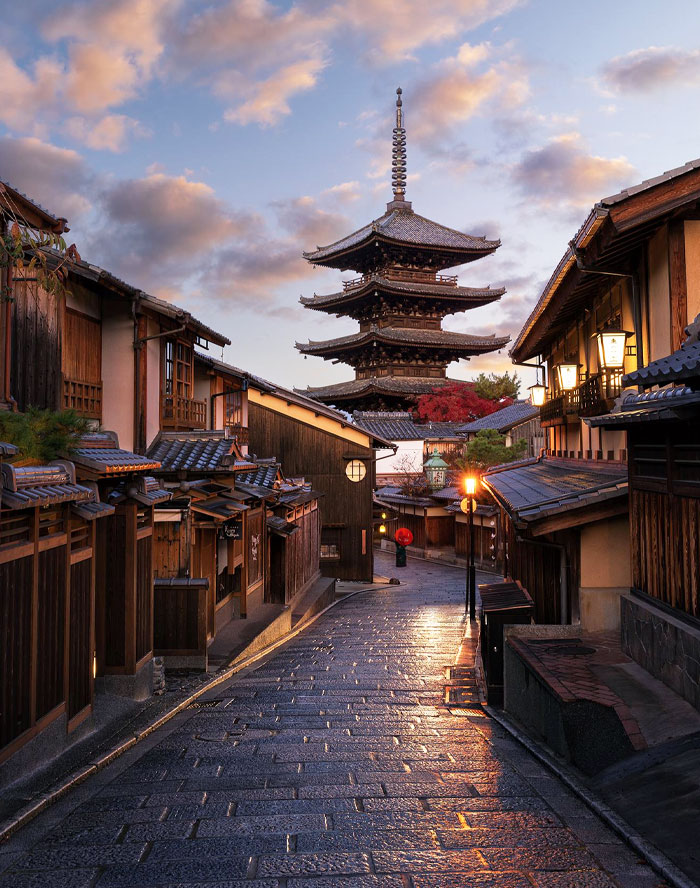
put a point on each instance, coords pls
(504, 419)
(90, 511)
(220, 508)
(678, 402)
(112, 461)
(394, 495)
(680, 366)
(8, 449)
(281, 526)
(25, 487)
(534, 489)
(399, 426)
(197, 452)
(405, 226)
(463, 342)
(469, 296)
(390, 385)
(36, 206)
(262, 474)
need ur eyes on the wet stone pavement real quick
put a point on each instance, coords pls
(334, 764)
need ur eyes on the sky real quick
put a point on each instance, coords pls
(197, 149)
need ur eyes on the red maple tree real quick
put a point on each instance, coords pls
(456, 402)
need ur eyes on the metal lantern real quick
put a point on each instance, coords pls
(567, 376)
(435, 470)
(538, 393)
(611, 348)
(470, 485)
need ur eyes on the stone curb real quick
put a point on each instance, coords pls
(52, 795)
(656, 860)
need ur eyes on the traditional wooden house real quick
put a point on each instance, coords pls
(400, 300)
(335, 456)
(621, 295)
(515, 422)
(661, 615)
(48, 567)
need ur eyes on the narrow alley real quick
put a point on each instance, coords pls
(332, 764)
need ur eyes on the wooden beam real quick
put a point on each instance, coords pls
(579, 517)
(677, 282)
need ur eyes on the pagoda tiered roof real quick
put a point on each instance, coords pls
(444, 296)
(463, 344)
(403, 232)
(359, 391)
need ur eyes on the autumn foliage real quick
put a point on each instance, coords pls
(456, 402)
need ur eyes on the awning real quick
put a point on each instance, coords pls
(664, 405)
(281, 526)
(24, 487)
(218, 508)
(550, 494)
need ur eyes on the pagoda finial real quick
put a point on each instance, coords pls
(398, 153)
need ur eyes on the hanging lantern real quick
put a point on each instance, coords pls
(538, 394)
(435, 470)
(382, 528)
(611, 348)
(567, 376)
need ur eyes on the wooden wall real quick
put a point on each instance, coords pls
(302, 553)
(318, 456)
(36, 346)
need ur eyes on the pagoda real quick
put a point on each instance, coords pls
(399, 300)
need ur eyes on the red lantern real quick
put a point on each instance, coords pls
(403, 536)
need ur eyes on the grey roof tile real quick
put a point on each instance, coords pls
(464, 342)
(680, 366)
(196, 452)
(504, 419)
(470, 296)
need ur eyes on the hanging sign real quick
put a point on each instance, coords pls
(232, 530)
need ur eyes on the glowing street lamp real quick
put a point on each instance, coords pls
(611, 348)
(470, 597)
(567, 376)
(382, 528)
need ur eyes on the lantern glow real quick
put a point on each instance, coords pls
(470, 485)
(538, 393)
(567, 376)
(611, 348)
(382, 528)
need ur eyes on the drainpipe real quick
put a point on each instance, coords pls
(636, 303)
(563, 583)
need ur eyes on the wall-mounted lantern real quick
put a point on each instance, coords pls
(611, 348)
(567, 376)
(538, 394)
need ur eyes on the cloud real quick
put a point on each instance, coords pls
(57, 178)
(653, 68)
(563, 173)
(110, 133)
(344, 192)
(268, 99)
(25, 96)
(394, 29)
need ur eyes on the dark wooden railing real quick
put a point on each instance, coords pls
(599, 391)
(557, 409)
(83, 397)
(404, 274)
(183, 413)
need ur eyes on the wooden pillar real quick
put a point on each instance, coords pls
(130, 568)
(677, 282)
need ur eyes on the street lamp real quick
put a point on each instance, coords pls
(470, 594)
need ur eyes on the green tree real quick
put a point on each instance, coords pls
(488, 448)
(43, 434)
(496, 386)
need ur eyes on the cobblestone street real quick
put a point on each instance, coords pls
(334, 764)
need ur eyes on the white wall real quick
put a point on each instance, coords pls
(392, 465)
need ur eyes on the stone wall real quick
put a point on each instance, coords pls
(665, 646)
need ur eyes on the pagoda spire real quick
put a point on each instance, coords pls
(398, 153)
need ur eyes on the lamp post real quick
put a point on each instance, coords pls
(470, 594)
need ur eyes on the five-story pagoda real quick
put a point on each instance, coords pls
(400, 299)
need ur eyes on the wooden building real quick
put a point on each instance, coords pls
(661, 615)
(520, 420)
(48, 566)
(620, 297)
(399, 301)
(332, 454)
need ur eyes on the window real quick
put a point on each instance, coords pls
(329, 550)
(177, 367)
(356, 470)
(233, 407)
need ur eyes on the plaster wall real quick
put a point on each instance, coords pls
(118, 373)
(393, 464)
(153, 349)
(659, 319)
(606, 573)
(84, 301)
(692, 267)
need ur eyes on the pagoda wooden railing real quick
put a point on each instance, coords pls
(599, 391)
(177, 412)
(404, 274)
(83, 397)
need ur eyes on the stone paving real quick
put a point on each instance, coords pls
(334, 764)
